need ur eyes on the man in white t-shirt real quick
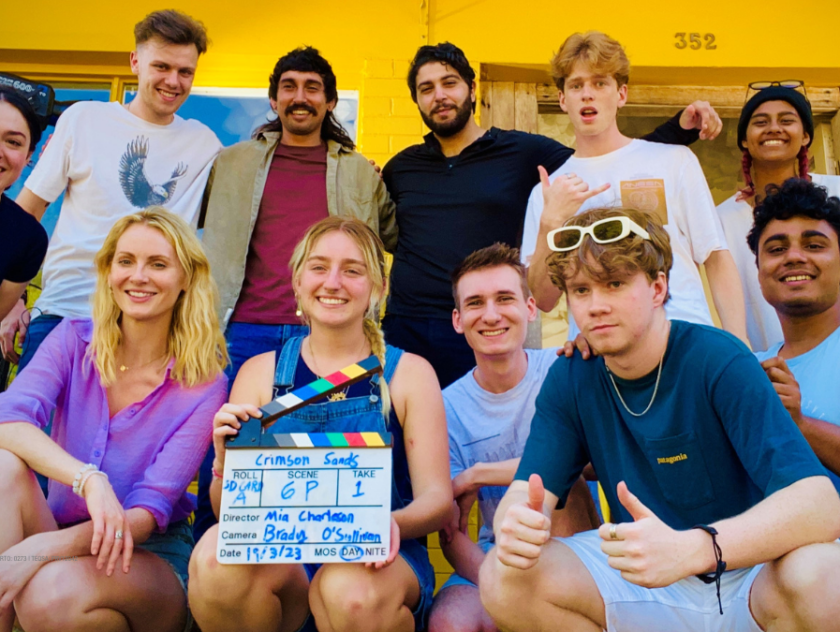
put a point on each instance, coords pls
(774, 132)
(796, 242)
(609, 169)
(488, 415)
(112, 160)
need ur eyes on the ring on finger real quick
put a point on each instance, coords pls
(613, 534)
(119, 534)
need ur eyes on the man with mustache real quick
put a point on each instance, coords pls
(464, 189)
(795, 243)
(262, 196)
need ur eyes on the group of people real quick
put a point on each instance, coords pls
(149, 348)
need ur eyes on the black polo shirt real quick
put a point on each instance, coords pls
(450, 207)
(26, 243)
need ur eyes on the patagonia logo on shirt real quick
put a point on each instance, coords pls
(672, 459)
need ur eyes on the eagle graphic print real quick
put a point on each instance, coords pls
(139, 190)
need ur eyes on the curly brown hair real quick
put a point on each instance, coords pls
(618, 259)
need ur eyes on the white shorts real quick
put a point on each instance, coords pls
(686, 606)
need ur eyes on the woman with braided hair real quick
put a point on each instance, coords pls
(338, 273)
(775, 129)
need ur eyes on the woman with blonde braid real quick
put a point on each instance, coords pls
(338, 276)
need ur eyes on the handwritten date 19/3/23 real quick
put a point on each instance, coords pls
(259, 553)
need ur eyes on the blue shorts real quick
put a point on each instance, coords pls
(174, 547)
(456, 580)
(417, 557)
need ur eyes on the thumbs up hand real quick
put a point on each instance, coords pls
(524, 529)
(647, 551)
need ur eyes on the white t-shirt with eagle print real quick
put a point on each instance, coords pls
(111, 164)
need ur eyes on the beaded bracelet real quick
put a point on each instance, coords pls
(85, 478)
(78, 478)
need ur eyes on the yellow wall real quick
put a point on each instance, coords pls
(369, 42)
(772, 33)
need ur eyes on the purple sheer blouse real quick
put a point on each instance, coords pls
(150, 449)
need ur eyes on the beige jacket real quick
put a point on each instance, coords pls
(232, 202)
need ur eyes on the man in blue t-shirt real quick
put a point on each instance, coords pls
(795, 242)
(703, 469)
(488, 416)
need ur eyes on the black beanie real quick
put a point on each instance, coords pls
(777, 93)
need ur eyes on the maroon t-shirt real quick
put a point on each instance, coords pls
(294, 198)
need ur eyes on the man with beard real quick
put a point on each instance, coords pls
(795, 242)
(263, 195)
(464, 189)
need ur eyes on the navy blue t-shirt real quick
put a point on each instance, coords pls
(715, 442)
(25, 243)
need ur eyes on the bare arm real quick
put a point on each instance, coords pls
(10, 294)
(650, 553)
(31, 203)
(464, 555)
(480, 475)
(546, 294)
(562, 198)
(806, 512)
(39, 451)
(419, 406)
(727, 293)
(822, 436)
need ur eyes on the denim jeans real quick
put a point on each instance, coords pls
(244, 341)
(39, 329)
(433, 339)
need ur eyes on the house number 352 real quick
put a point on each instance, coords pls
(694, 41)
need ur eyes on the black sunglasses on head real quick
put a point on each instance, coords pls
(792, 84)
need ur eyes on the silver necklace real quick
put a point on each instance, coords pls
(655, 388)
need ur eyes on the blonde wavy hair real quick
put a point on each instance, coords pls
(599, 53)
(373, 253)
(195, 338)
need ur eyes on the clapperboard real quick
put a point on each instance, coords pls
(306, 498)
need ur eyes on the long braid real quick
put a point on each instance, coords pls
(804, 163)
(746, 166)
(376, 338)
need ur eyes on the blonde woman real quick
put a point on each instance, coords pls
(133, 392)
(338, 277)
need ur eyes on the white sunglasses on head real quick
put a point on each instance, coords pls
(604, 231)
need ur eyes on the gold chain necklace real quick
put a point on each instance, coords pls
(124, 368)
(655, 388)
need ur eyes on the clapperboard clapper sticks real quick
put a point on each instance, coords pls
(251, 435)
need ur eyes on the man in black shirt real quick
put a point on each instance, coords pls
(464, 189)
